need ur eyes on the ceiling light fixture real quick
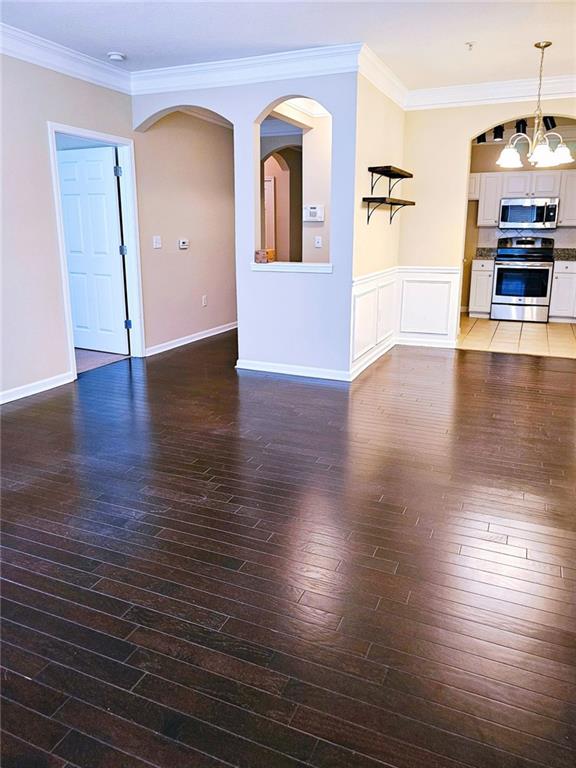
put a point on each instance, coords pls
(540, 153)
(116, 56)
(481, 139)
(521, 126)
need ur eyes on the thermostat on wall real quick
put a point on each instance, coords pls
(313, 213)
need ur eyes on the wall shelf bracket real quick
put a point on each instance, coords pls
(394, 176)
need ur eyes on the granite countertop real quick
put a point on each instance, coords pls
(560, 254)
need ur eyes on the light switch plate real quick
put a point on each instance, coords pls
(156, 241)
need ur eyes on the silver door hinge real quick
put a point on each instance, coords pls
(127, 324)
(123, 250)
(117, 170)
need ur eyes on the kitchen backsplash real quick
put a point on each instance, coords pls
(564, 237)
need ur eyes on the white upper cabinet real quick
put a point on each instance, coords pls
(490, 195)
(516, 184)
(531, 184)
(546, 183)
(492, 187)
(474, 186)
(567, 210)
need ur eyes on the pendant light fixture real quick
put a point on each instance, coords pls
(540, 153)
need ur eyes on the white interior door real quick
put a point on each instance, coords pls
(91, 218)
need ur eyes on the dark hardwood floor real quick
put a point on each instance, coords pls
(204, 568)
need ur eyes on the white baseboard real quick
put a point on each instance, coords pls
(36, 387)
(293, 370)
(173, 343)
(370, 357)
(425, 341)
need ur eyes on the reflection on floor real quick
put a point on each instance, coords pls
(87, 359)
(548, 340)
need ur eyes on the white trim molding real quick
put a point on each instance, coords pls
(292, 266)
(173, 343)
(129, 205)
(16, 393)
(309, 62)
(308, 372)
(553, 87)
(38, 50)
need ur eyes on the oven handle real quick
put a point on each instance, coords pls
(529, 265)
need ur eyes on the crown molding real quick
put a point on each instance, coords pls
(553, 87)
(309, 62)
(37, 50)
(373, 69)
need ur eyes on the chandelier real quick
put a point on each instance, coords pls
(540, 152)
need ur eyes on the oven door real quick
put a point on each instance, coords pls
(522, 283)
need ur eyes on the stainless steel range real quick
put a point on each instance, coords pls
(522, 279)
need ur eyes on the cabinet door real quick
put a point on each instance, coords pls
(474, 186)
(490, 195)
(480, 291)
(567, 208)
(546, 183)
(516, 184)
(563, 296)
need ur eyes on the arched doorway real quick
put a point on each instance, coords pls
(489, 185)
(185, 165)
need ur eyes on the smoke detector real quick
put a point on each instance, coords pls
(116, 56)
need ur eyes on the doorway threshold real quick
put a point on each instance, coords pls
(89, 359)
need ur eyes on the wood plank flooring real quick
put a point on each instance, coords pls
(204, 568)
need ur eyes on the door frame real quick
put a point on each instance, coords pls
(129, 212)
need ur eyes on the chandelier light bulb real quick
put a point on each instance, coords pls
(562, 154)
(509, 158)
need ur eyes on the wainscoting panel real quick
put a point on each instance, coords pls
(403, 305)
(428, 305)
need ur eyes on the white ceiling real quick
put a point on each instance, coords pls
(422, 42)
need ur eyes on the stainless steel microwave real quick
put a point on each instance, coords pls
(529, 213)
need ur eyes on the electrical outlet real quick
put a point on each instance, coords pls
(318, 241)
(156, 241)
(204, 300)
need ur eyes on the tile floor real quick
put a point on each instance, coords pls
(549, 340)
(88, 359)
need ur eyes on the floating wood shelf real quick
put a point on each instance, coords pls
(394, 176)
(395, 204)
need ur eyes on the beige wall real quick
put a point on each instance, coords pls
(184, 184)
(281, 176)
(471, 243)
(437, 151)
(317, 186)
(380, 141)
(185, 174)
(33, 324)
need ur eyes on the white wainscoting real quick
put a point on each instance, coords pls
(373, 318)
(428, 306)
(403, 305)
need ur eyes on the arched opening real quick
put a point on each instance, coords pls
(295, 182)
(522, 310)
(185, 163)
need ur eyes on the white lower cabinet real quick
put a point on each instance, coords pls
(563, 296)
(481, 286)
